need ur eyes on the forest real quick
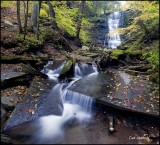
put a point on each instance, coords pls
(79, 72)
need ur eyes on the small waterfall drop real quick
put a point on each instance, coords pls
(114, 21)
(52, 74)
(84, 69)
(77, 107)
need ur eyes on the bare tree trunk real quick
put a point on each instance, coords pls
(104, 9)
(80, 18)
(68, 4)
(38, 13)
(18, 17)
(52, 14)
(26, 17)
(144, 29)
(34, 17)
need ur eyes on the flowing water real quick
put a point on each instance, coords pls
(77, 107)
(114, 22)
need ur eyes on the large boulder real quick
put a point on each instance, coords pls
(37, 102)
(67, 70)
(119, 90)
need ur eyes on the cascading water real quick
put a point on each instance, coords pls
(77, 107)
(52, 74)
(114, 22)
(84, 69)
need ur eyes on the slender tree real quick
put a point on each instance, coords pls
(25, 16)
(80, 18)
(18, 17)
(35, 18)
(52, 14)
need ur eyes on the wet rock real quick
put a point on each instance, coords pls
(3, 112)
(94, 85)
(5, 139)
(118, 90)
(10, 73)
(7, 104)
(33, 105)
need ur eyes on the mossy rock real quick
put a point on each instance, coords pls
(116, 53)
(68, 69)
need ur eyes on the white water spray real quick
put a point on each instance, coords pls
(77, 107)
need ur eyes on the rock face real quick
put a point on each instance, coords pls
(119, 90)
(94, 85)
(34, 105)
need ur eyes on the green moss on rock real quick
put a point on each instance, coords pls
(116, 53)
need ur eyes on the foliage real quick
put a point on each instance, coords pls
(84, 34)
(152, 55)
(146, 12)
(5, 4)
(66, 18)
(116, 53)
(43, 13)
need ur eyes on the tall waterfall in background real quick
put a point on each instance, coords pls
(114, 22)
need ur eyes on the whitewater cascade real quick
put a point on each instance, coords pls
(114, 21)
(77, 107)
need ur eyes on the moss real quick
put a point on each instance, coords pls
(66, 67)
(43, 13)
(155, 78)
(5, 4)
(133, 52)
(116, 53)
(9, 40)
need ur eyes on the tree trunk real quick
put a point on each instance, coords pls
(80, 18)
(68, 4)
(18, 17)
(104, 9)
(38, 13)
(26, 17)
(52, 14)
(34, 17)
(144, 29)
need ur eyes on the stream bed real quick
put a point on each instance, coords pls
(83, 120)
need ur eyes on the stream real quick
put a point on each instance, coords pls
(82, 120)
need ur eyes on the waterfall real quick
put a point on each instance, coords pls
(77, 107)
(114, 22)
(85, 102)
(84, 69)
(77, 72)
(52, 74)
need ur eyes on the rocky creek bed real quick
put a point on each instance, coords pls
(117, 94)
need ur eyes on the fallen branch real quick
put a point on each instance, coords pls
(133, 72)
(140, 68)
